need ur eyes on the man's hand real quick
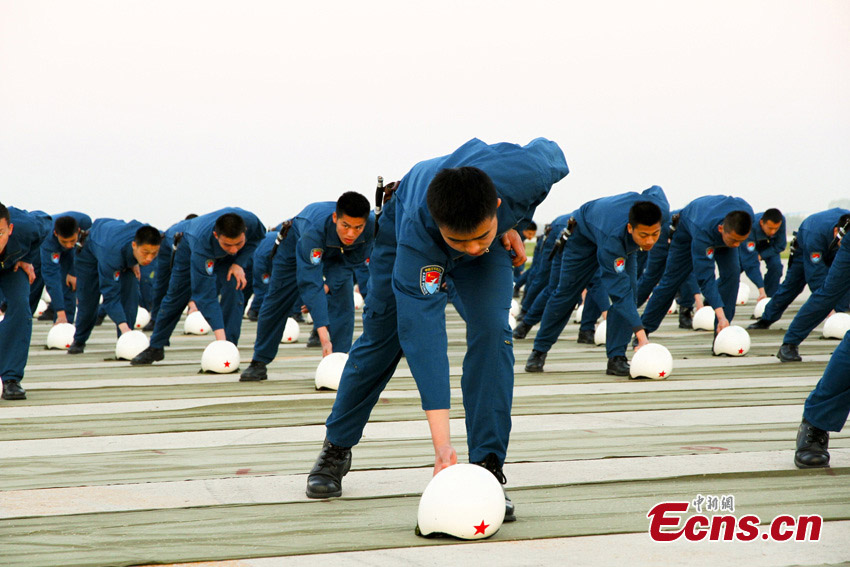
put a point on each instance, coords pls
(762, 295)
(124, 328)
(722, 321)
(327, 289)
(325, 339)
(137, 271)
(237, 272)
(27, 268)
(444, 457)
(71, 281)
(219, 335)
(192, 307)
(61, 317)
(512, 241)
(642, 339)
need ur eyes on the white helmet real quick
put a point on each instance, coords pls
(329, 371)
(733, 340)
(60, 336)
(758, 312)
(130, 344)
(511, 321)
(195, 324)
(515, 307)
(577, 313)
(464, 501)
(143, 317)
(358, 301)
(290, 331)
(743, 293)
(220, 357)
(41, 308)
(308, 318)
(601, 331)
(704, 319)
(674, 308)
(44, 295)
(836, 326)
(248, 305)
(651, 361)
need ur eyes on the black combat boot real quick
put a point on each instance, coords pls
(325, 480)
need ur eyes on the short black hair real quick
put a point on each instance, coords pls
(147, 235)
(352, 204)
(66, 226)
(646, 213)
(230, 225)
(4, 214)
(739, 222)
(845, 218)
(531, 226)
(191, 216)
(772, 215)
(461, 198)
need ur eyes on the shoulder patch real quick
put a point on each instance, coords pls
(620, 265)
(117, 275)
(751, 246)
(55, 257)
(266, 277)
(430, 279)
(816, 257)
(209, 265)
(316, 256)
(710, 252)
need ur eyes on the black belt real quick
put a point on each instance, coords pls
(81, 240)
(174, 243)
(563, 237)
(382, 195)
(281, 236)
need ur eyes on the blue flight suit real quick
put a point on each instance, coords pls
(769, 249)
(834, 293)
(361, 276)
(45, 224)
(600, 240)
(261, 269)
(28, 232)
(147, 277)
(163, 263)
(811, 262)
(527, 276)
(55, 263)
(595, 303)
(199, 273)
(312, 249)
(545, 279)
(406, 312)
(828, 405)
(655, 262)
(696, 246)
(105, 267)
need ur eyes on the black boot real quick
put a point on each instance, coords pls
(491, 463)
(313, 341)
(325, 480)
(12, 390)
(618, 366)
(686, 318)
(48, 314)
(587, 337)
(535, 361)
(761, 324)
(812, 445)
(99, 321)
(299, 318)
(253, 315)
(150, 326)
(76, 348)
(788, 353)
(521, 329)
(255, 372)
(148, 356)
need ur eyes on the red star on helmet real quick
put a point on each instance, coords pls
(67, 346)
(480, 529)
(662, 374)
(227, 364)
(740, 351)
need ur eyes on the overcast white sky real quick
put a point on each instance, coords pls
(153, 109)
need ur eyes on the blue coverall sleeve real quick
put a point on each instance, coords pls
(750, 263)
(777, 244)
(204, 291)
(422, 327)
(309, 277)
(52, 275)
(619, 284)
(704, 270)
(110, 288)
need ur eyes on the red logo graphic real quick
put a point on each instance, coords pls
(710, 252)
(227, 364)
(480, 528)
(55, 257)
